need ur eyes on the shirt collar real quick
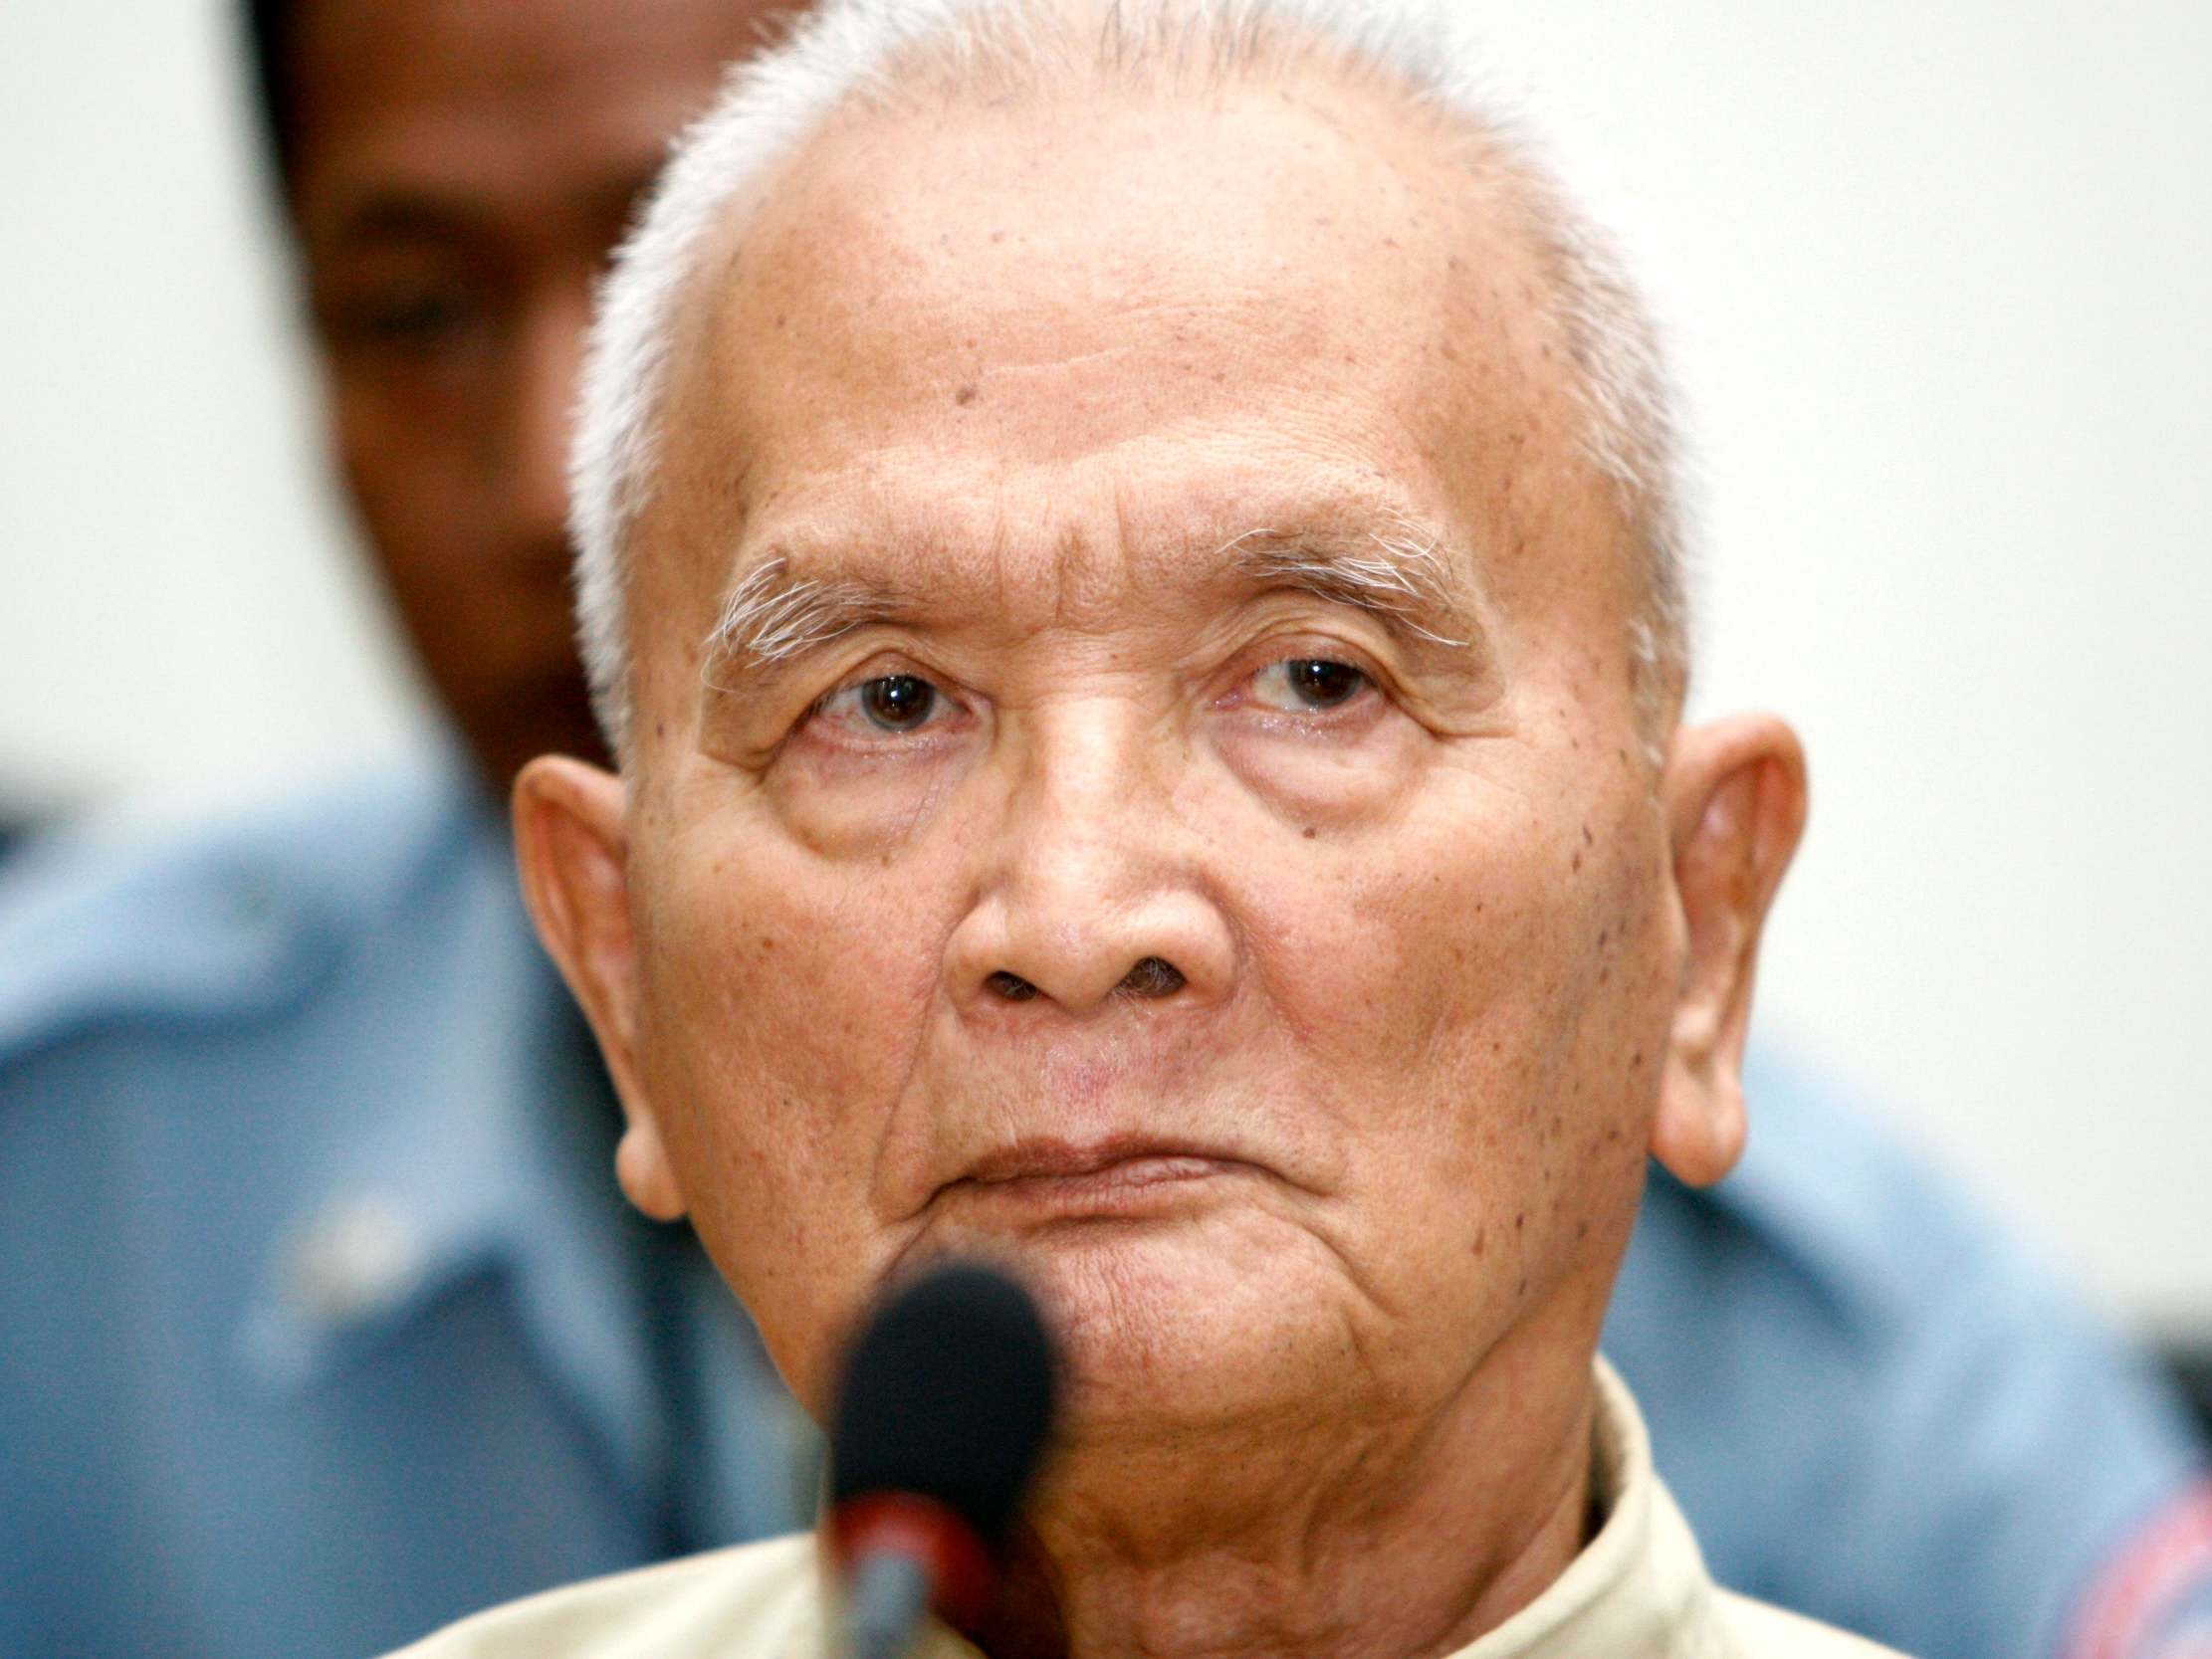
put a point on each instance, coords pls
(495, 1158)
(1639, 1587)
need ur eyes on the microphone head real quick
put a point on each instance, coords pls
(948, 1396)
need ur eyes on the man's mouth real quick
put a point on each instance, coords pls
(1124, 1177)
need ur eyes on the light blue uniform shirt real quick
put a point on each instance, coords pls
(324, 1323)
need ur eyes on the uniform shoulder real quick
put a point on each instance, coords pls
(1838, 1188)
(1874, 1397)
(755, 1602)
(1761, 1631)
(219, 912)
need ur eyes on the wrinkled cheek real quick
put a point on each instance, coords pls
(1517, 1004)
(1437, 971)
(1594, 1080)
(777, 1031)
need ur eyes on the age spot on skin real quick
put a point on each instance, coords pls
(964, 396)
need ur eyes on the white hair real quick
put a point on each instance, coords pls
(880, 53)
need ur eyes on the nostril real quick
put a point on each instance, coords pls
(1012, 986)
(1152, 976)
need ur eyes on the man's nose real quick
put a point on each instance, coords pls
(1094, 889)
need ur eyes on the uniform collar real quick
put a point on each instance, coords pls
(493, 1159)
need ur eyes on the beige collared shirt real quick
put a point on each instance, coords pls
(1638, 1591)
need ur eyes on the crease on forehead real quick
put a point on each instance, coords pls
(1343, 543)
(1599, 375)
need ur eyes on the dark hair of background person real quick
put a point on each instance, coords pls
(268, 27)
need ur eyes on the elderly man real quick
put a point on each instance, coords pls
(1128, 555)
(335, 1335)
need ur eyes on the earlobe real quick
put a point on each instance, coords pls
(570, 848)
(1735, 802)
(642, 1169)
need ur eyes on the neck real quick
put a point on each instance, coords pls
(1390, 1540)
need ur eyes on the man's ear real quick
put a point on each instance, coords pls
(572, 842)
(1734, 796)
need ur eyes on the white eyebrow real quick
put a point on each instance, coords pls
(1400, 577)
(773, 616)
(1403, 578)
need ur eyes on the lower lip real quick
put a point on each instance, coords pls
(1131, 1188)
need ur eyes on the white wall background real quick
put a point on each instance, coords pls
(1944, 275)
(179, 608)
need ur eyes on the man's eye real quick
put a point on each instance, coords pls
(896, 702)
(1304, 685)
(422, 316)
(409, 320)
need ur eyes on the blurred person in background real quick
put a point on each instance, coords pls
(327, 1326)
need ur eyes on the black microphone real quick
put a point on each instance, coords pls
(947, 1402)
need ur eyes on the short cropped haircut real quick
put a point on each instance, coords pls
(266, 27)
(880, 55)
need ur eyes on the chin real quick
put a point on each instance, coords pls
(1168, 1330)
